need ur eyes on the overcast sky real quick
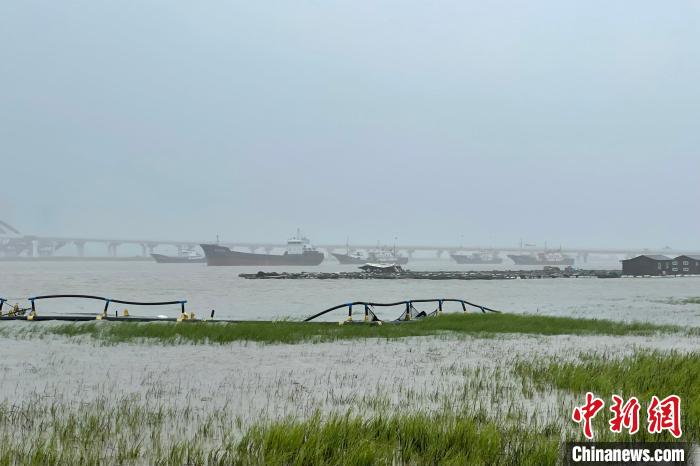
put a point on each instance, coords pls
(575, 122)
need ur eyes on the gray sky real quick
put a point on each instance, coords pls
(572, 122)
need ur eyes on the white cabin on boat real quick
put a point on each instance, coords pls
(298, 244)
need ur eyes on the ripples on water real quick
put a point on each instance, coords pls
(220, 288)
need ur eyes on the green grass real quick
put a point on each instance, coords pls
(298, 332)
(93, 434)
(445, 438)
(643, 375)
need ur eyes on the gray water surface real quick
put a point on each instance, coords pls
(222, 289)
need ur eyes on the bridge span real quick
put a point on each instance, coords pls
(17, 245)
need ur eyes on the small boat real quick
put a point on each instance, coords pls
(354, 257)
(187, 256)
(380, 255)
(542, 258)
(481, 257)
(299, 252)
(386, 256)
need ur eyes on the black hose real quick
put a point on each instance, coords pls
(107, 301)
(398, 303)
(120, 301)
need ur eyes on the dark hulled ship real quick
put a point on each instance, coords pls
(299, 252)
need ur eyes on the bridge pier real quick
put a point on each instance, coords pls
(150, 247)
(409, 253)
(267, 249)
(80, 247)
(112, 248)
(147, 249)
(46, 248)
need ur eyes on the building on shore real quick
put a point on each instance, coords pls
(661, 265)
(647, 265)
(686, 264)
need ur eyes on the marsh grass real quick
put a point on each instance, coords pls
(481, 325)
(643, 374)
(445, 438)
(506, 411)
(93, 434)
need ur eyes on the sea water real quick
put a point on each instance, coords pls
(220, 288)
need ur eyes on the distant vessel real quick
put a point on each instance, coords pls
(299, 252)
(386, 256)
(542, 258)
(375, 256)
(187, 256)
(355, 257)
(482, 257)
(163, 259)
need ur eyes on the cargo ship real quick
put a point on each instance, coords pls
(542, 258)
(298, 252)
(482, 257)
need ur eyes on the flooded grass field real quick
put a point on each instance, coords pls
(498, 397)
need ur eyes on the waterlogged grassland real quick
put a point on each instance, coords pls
(417, 402)
(384, 400)
(643, 374)
(147, 429)
(93, 434)
(484, 325)
(447, 438)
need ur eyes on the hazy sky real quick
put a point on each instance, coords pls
(575, 122)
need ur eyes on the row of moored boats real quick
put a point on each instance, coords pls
(300, 252)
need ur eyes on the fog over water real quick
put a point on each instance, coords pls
(572, 122)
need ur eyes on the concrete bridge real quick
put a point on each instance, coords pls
(15, 244)
(20, 246)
